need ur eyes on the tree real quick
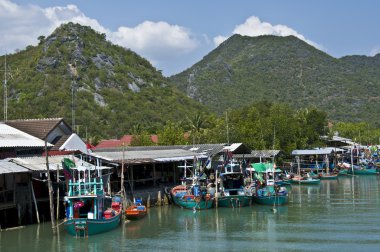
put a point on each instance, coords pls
(171, 134)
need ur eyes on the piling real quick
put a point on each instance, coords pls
(148, 201)
(159, 198)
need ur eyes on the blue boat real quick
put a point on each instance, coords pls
(89, 210)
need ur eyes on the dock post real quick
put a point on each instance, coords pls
(35, 202)
(159, 198)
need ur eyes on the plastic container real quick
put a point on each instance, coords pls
(196, 190)
(90, 215)
(115, 206)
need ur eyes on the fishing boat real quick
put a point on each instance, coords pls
(363, 171)
(193, 192)
(233, 193)
(266, 191)
(271, 194)
(136, 211)
(328, 176)
(89, 210)
(300, 180)
(191, 196)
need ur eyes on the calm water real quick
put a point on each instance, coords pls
(335, 215)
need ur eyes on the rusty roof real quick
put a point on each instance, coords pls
(39, 128)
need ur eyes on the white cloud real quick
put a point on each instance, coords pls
(21, 25)
(157, 41)
(219, 39)
(374, 51)
(254, 27)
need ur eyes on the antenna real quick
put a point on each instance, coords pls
(74, 74)
(5, 90)
(228, 137)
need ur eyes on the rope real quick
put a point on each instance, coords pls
(59, 224)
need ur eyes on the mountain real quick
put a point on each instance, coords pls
(114, 89)
(243, 70)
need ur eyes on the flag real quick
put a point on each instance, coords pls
(208, 163)
(67, 164)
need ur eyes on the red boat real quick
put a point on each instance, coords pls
(136, 211)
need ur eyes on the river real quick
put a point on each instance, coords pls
(336, 215)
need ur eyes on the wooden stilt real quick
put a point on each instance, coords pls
(35, 202)
(18, 215)
(159, 198)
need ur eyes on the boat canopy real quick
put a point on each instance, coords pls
(264, 167)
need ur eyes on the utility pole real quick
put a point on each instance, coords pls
(122, 179)
(53, 223)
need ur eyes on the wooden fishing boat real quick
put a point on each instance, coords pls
(267, 188)
(328, 176)
(271, 196)
(233, 192)
(305, 180)
(89, 210)
(190, 197)
(362, 171)
(136, 211)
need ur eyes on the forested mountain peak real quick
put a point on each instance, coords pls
(244, 69)
(109, 89)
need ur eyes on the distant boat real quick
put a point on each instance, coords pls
(305, 180)
(89, 211)
(136, 211)
(328, 176)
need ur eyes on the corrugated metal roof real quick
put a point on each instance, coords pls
(238, 148)
(323, 151)
(12, 137)
(39, 163)
(259, 153)
(9, 167)
(74, 142)
(151, 156)
(206, 149)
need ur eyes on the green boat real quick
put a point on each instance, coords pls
(362, 171)
(271, 200)
(269, 186)
(232, 190)
(88, 210)
(305, 181)
(234, 201)
(190, 197)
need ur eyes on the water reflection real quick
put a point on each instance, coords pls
(334, 215)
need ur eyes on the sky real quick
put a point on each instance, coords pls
(175, 34)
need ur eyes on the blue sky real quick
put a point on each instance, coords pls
(173, 34)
